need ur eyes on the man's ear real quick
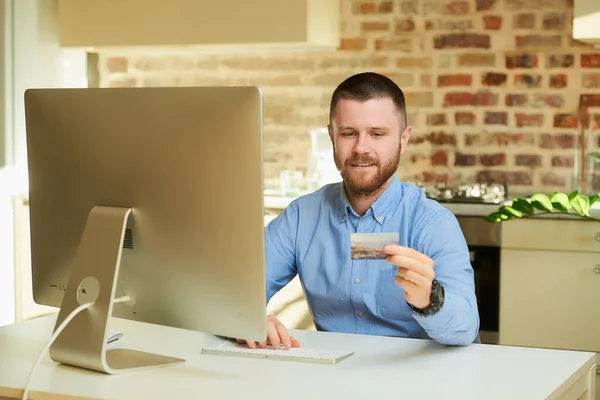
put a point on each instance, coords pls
(405, 138)
(330, 129)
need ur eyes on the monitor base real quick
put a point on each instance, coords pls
(93, 279)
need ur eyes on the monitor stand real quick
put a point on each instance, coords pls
(94, 278)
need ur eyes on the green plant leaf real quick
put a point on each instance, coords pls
(573, 194)
(496, 217)
(541, 202)
(594, 199)
(560, 201)
(595, 156)
(581, 204)
(510, 212)
(522, 205)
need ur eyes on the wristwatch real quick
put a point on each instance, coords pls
(436, 300)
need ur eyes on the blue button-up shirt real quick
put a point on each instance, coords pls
(311, 238)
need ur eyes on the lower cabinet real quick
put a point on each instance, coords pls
(550, 285)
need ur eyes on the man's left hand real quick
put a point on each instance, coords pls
(414, 273)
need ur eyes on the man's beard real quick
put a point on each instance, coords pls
(366, 183)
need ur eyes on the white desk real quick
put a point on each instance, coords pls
(381, 368)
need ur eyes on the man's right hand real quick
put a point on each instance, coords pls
(277, 335)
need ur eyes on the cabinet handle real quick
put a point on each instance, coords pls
(598, 236)
(597, 269)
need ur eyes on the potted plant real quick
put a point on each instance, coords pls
(573, 203)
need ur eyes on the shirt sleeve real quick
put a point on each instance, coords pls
(457, 322)
(280, 250)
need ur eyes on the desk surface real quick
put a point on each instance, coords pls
(380, 368)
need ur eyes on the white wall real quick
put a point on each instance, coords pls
(32, 58)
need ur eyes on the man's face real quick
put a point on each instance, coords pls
(368, 139)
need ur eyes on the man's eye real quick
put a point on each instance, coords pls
(348, 133)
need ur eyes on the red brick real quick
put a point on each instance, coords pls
(448, 25)
(560, 61)
(493, 79)
(563, 161)
(374, 26)
(472, 99)
(454, 80)
(554, 21)
(464, 118)
(590, 60)
(464, 160)
(524, 21)
(353, 44)
(373, 7)
(559, 81)
(537, 41)
(457, 8)
(521, 61)
(553, 179)
(492, 22)
(498, 139)
(436, 138)
(505, 177)
(590, 100)
(398, 44)
(462, 41)
(528, 81)
(495, 118)
(436, 119)
(405, 25)
(560, 141)
(550, 100)
(515, 100)
(433, 177)
(477, 60)
(440, 157)
(484, 5)
(492, 159)
(117, 64)
(529, 119)
(565, 121)
(591, 81)
(528, 160)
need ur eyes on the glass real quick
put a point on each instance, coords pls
(291, 182)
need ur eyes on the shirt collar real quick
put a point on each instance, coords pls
(380, 208)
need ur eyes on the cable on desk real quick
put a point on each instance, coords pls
(57, 332)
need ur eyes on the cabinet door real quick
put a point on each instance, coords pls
(550, 299)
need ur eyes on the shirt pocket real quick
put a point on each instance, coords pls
(390, 297)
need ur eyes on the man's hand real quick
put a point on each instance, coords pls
(414, 273)
(276, 336)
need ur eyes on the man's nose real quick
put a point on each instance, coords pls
(362, 143)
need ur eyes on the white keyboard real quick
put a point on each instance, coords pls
(298, 354)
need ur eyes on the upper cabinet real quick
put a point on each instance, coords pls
(586, 21)
(199, 24)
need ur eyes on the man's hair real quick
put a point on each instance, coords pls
(367, 86)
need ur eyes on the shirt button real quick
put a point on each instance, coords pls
(379, 219)
(357, 281)
(360, 313)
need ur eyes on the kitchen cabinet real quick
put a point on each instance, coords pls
(550, 284)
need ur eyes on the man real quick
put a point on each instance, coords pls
(425, 287)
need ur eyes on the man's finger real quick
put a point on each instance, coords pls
(411, 264)
(419, 280)
(395, 249)
(283, 335)
(294, 341)
(273, 336)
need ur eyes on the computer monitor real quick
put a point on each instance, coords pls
(151, 193)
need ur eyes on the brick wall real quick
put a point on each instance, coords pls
(493, 87)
